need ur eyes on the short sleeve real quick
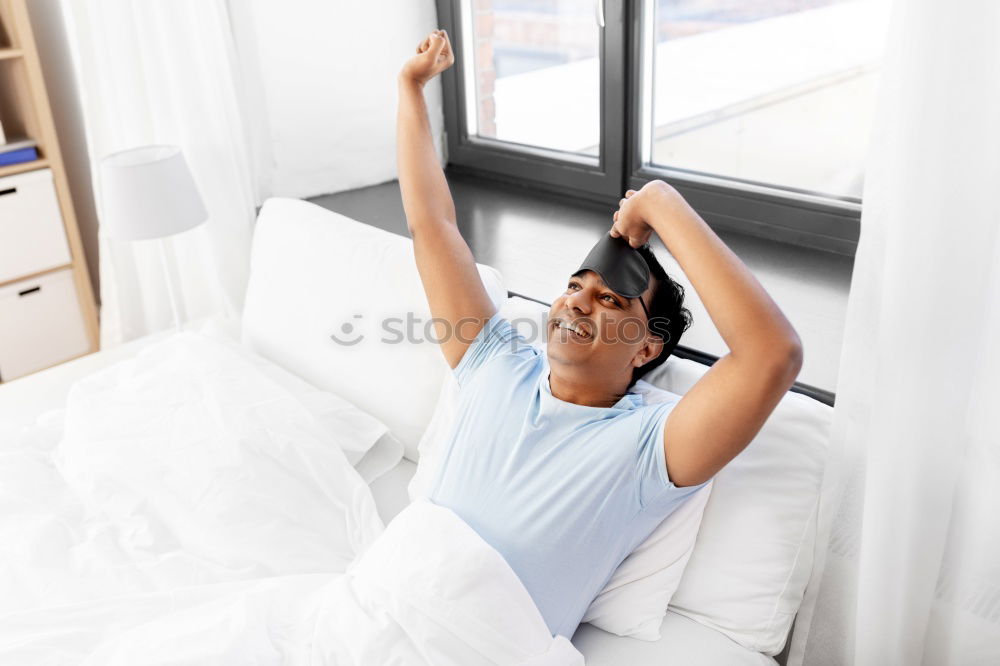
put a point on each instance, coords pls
(497, 338)
(656, 490)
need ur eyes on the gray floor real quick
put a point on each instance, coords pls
(536, 240)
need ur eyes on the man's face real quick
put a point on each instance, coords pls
(592, 326)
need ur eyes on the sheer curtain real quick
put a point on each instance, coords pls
(910, 573)
(152, 71)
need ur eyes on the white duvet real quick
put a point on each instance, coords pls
(189, 507)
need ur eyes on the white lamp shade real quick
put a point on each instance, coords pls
(148, 192)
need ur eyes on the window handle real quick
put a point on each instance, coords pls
(600, 13)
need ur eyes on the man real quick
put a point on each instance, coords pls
(552, 460)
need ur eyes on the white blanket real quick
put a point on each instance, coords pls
(186, 508)
(187, 465)
(429, 591)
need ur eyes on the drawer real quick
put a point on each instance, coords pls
(40, 324)
(32, 237)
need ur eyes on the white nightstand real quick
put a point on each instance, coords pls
(41, 323)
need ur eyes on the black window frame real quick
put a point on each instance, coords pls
(794, 217)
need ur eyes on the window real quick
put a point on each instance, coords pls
(537, 92)
(757, 110)
(536, 78)
(778, 92)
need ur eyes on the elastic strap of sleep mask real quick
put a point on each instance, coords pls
(648, 317)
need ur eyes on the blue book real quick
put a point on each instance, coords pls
(17, 156)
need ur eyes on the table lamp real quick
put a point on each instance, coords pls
(149, 193)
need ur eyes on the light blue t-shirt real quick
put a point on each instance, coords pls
(564, 492)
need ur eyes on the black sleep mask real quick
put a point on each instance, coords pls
(620, 266)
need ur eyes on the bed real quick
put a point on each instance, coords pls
(711, 630)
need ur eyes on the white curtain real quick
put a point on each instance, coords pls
(909, 571)
(158, 71)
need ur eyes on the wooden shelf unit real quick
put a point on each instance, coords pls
(25, 112)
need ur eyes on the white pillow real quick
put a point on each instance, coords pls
(754, 552)
(634, 601)
(366, 442)
(315, 274)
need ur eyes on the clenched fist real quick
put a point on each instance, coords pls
(636, 209)
(434, 55)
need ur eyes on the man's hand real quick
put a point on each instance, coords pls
(434, 55)
(635, 210)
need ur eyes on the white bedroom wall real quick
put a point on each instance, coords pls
(320, 86)
(321, 89)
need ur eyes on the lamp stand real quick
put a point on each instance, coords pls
(168, 274)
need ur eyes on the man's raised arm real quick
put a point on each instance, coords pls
(447, 268)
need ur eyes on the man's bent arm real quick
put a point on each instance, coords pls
(447, 268)
(722, 412)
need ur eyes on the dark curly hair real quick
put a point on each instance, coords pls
(668, 318)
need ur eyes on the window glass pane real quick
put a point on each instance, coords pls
(536, 75)
(779, 92)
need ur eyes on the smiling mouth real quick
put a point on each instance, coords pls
(575, 330)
